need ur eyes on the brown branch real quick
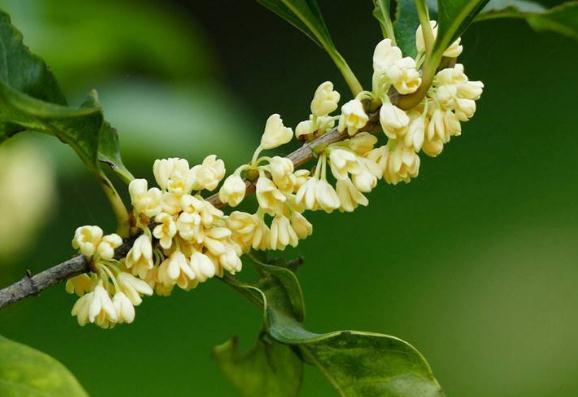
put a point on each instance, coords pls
(33, 285)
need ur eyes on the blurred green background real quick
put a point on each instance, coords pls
(475, 262)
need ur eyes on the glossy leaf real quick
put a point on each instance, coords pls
(25, 372)
(306, 16)
(23, 71)
(561, 19)
(31, 100)
(454, 16)
(405, 26)
(269, 369)
(357, 364)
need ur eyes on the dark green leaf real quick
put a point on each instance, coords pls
(23, 71)
(269, 369)
(357, 364)
(561, 19)
(454, 16)
(31, 100)
(405, 25)
(25, 372)
(305, 16)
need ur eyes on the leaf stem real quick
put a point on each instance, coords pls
(350, 78)
(118, 207)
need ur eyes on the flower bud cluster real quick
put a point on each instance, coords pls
(180, 239)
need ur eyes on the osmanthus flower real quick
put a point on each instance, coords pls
(453, 51)
(391, 69)
(349, 196)
(206, 176)
(398, 162)
(145, 201)
(203, 267)
(86, 239)
(325, 100)
(276, 134)
(353, 117)
(139, 259)
(173, 175)
(134, 288)
(180, 238)
(176, 270)
(233, 190)
(96, 307)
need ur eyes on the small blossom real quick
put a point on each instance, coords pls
(230, 261)
(173, 175)
(233, 190)
(281, 169)
(202, 266)
(140, 257)
(145, 201)
(107, 246)
(353, 117)
(326, 196)
(270, 198)
(415, 134)
(208, 174)
(176, 270)
(342, 162)
(362, 143)
(303, 228)
(133, 287)
(304, 128)
(101, 310)
(86, 239)
(165, 230)
(453, 51)
(124, 309)
(306, 195)
(349, 196)
(393, 120)
(80, 284)
(276, 134)
(282, 234)
(385, 56)
(325, 100)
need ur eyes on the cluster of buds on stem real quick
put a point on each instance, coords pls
(179, 239)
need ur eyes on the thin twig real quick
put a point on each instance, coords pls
(33, 285)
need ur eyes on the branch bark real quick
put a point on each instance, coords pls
(32, 285)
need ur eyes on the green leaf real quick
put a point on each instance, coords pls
(405, 25)
(454, 16)
(381, 12)
(31, 100)
(23, 71)
(561, 19)
(25, 372)
(306, 16)
(357, 364)
(269, 369)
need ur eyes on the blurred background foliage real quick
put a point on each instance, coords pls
(475, 262)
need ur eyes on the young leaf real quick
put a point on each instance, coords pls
(306, 16)
(25, 372)
(269, 369)
(561, 19)
(405, 25)
(381, 12)
(454, 16)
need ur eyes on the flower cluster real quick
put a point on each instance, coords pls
(179, 238)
